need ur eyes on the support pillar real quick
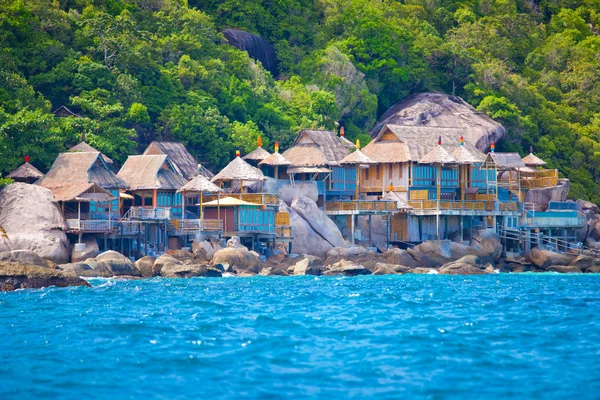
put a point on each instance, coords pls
(352, 228)
(371, 230)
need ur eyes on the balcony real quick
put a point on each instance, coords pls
(553, 219)
(450, 207)
(90, 225)
(191, 226)
(256, 198)
(353, 207)
(150, 213)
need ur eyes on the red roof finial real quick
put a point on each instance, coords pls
(462, 141)
(276, 146)
(259, 141)
(493, 146)
(26, 158)
(237, 153)
(439, 141)
(342, 131)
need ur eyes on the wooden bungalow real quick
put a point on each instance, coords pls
(26, 173)
(315, 157)
(274, 166)
(64, 111)
(192, 202)
(257, 155)
(180, 158)
(87, 190)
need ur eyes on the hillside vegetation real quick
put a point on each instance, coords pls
(137, 70)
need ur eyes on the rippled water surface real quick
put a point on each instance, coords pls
(385, 337)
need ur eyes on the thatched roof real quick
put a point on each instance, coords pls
(64, 111)
(432, 111)
(74, 173)
(503, 161)
(151, 172)
(25, 171)
(275, 159)
(237, 170)
(438, 156)
(257, 154)
(533, 161)
(346, 143)
(200, 184)
(229, 202)
(84, 147)
(393, 196)
(313, 148)
(357, 157)
(179, 156)
(468, 155)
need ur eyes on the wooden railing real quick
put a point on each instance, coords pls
(490, 206)
(282, 218)
(283, 231)
(361, 205)
(150, 213)
(193, 225)
(379, 186)
(90, 225)
(256, 198)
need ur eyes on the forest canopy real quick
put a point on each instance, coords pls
(139, 70)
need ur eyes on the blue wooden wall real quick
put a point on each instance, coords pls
(253, 219)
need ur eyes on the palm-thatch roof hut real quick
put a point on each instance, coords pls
(438, 156)
(238, 170)
(314, 148)
(468, 154)
(179, 157)
(84, 147)
(503, 161)
(75, 173)
(275, 159)
(532, 160)
(26, 173)
(357, 158)
(257, 155)
(148, 172)
(200, 184)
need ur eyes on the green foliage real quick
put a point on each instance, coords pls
(141, 70)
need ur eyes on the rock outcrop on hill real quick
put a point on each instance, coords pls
(257, 47)
(32, 221)
(440, 110)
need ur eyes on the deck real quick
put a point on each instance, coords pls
(473, 208)
(90, 225)
(360, 207)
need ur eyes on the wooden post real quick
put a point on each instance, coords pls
(201, 209)
(371, 230)
(219, 206)
(352, 227)
(439, 193)
(182, 206)
(357, 182)
(154, 197)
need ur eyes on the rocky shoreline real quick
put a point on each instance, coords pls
(23, 269)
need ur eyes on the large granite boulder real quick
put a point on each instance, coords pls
(161, 261)
(32, 221)
(435, 110)
(564, 269)
(435, 253)
(346, 268)
(91, 249)
(238, 259)
(348, 251)
(400, 257)
(146, 266)
(387, 269)
(542, 196)
(318, 221)
(257, 47)
(488, 244)
(15, 276)
(582, 262)
(457, 268)
(89, 269)
(235, 243)
(545, 258)
(180, 254)
(22, 257)
(171, 270)
(272, 271)
(304, 239)
(378, 231)
(309, 265)
(205, 250)
(118, 264)
(288, 193)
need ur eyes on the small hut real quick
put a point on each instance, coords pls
(239, 170)
(467, 156)
(532, 160)
(257, 155)
(359, 160)
(275, 161)
(84, 147)
(197, 186)
(26, 173)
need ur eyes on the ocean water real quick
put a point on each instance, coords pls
(384, 337)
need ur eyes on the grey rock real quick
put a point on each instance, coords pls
(146, 266)
(22, 257)
(15, 276)
(170, 270)
(564, 269)
(118, 263)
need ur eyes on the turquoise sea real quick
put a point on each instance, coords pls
(383, 337)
